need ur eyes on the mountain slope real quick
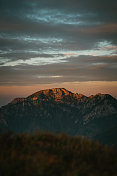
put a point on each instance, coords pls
(60, 110)
(107, 137)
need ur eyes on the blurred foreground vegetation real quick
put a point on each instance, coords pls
(46, 154)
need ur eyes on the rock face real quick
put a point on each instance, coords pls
(55, 94)
(59, 110)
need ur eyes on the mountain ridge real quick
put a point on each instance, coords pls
(54, 92)
(58, 110)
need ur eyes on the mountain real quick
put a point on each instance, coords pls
(59, 110)
(108, 137)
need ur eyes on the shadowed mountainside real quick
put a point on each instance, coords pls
(58, 110)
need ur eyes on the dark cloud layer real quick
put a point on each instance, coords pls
(83, 68)
(49, 41)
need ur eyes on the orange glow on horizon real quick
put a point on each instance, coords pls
(8, 93)
(87, 88)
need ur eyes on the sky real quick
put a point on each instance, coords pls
(50, 43)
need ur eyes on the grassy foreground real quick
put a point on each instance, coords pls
(46, 154)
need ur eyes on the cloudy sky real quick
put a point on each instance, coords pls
(57, 43)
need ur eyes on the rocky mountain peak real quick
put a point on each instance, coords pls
(55, 93)
(61, 94)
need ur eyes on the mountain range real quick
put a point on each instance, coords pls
(59, 110)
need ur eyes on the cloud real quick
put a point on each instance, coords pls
(82, 68)
(57, 41)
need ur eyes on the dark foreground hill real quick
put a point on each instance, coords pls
(59, 110)
(45, 154)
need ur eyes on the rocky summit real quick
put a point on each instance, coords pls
(53, 94)
(59, 110)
